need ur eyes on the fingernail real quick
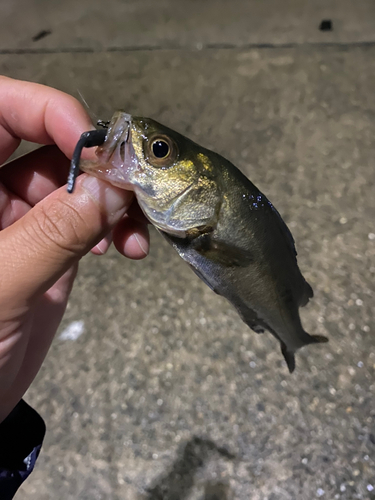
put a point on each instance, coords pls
(103, 245)
(112, 199)
(140, 243)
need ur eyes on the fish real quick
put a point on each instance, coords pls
(216, 219)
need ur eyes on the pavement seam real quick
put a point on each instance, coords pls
(197, 47)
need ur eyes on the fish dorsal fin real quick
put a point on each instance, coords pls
(285, 230)
(258, 201)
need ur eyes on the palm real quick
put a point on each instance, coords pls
(42, 322)
(37, 326)
(29, 332)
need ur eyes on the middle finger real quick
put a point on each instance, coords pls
(12, 208)
(35, 175)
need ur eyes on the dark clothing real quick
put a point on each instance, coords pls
(21, 437)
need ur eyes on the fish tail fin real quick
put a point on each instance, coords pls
(289, 357)
(317, 339)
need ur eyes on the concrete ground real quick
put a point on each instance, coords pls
(167, 395)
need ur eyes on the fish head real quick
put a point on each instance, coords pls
(175, 181)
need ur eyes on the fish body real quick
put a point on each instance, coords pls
(216, 219)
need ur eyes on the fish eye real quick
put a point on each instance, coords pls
(160, 149)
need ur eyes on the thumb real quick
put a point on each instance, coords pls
(37, 249)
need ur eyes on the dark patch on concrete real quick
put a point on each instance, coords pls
(217, 491)
(178, 482)
(42, 34)
(326, 25)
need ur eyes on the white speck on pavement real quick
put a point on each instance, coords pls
(73, 331)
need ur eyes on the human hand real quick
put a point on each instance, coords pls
(44, 231)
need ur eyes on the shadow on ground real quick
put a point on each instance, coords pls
(179, 481)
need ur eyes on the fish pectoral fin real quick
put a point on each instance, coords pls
(204, 279)
(220, 251)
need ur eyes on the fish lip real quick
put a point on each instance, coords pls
(119, 130)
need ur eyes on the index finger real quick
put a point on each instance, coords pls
(39, 114)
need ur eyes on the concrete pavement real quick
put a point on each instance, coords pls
(166, 394)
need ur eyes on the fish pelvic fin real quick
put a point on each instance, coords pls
(289, 357)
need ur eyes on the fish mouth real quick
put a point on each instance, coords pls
(116, 159)
(118, 132)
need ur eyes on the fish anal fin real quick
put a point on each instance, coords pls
(220, 251)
